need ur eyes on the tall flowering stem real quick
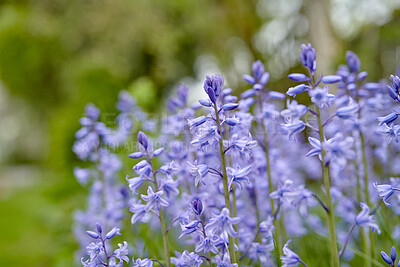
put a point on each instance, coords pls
(270, 186)
(225, 183)
(327, 184)
(162, 223)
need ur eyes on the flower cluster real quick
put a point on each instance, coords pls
(225, 181)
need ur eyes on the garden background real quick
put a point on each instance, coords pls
(58, 55)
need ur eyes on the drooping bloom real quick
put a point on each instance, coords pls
(222, 223)
(385, 191)
(122, 252)
(290, 258)
(364, 219)
(154, 199)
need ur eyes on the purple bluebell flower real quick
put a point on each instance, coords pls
(386, 258)
(392, 131)
(293, 127)
(353, 61)
(197, 206)
(316, 151)
(154, 200)
(189, 228)
(142, 262)
(388, 119)
(113, 232)
(213, 86)
(239, 175)
(138, 211)
(196, 122)
(224, 261)
(321, 97)
(222, 222)
(136, 155)
(290, 258)
(134, 183)
(122, 252)
(199, 171)
(349, 111)
(260, 78)
(143, 140)
(230, 106)
(328, 79)
(364, 219)
(207, 244)
(385, 191)
(308, 58)
(394, 89)
(298, 89)
(187, 259)
(298, 77)
(393, 254)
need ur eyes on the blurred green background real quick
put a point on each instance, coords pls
(58, 55)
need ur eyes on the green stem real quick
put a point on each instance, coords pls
(225, 183)
(271, 188)
(162, 223)
(363, 238)
(327, 184)
(366, 191)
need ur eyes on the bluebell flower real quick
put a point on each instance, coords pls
(229, 106)
(298, 77)
(308, 58)
(349, 111)
(222, 222)
(388, 119)
(242, 144)
(392, 131)
(213, 86)
(170, 187)
(239, 175)
(294, 110)
(143, 140)
(353, 61)
(122, 252)
(394, 89)
(224, 261)
(154, 200)
(134, 183)
(136, 155)
(197, 206)
(196, 122)
(293, 127)
(206, 136)
(139, 211)
(82, 175)
(207, 244)
(189, 228)
(142, 262)
(386, 258)
(316, 151)
(233, 121)
(290, 258)
(328, 79)
(186, 259)
(95, 250)
(363, 219)
(293, 91)
(385, 191)
(199, 171)
(113, 232)
(321, 97)
(393, 254)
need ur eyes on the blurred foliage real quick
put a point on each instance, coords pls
(58, 55)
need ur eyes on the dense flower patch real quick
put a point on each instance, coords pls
(230, 175)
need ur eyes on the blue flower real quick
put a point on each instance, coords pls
(388, 119)
(347, 112)
(386, 258)
(353, 61)
(385, 191)
(199, 171)
(394, 89)
(207, 245)
(186, 259)
(308, 57)
(239, 175)
(189, 228)
(222, 222)
(225, 261)
(213, 86)
(260, 78)
(293, 91)
(363, 219)
(392, 131)
(290, 258)
(142, 263)
(321, 97)
(154, 200)
(293, 127)
(122, 252)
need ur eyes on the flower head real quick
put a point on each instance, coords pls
(308, 57)
(364, 219)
